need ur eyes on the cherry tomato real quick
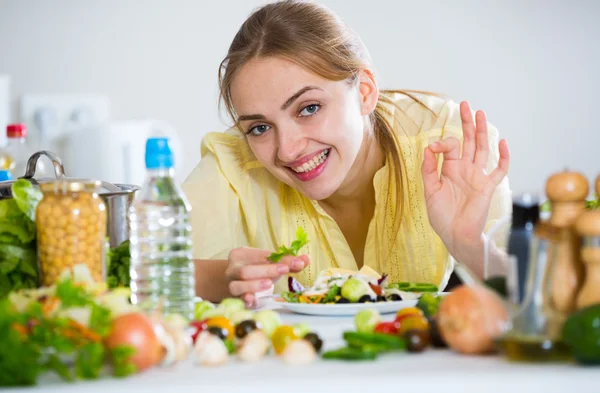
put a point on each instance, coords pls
(282, 336)
(407, 312)
(387, 327)
(199, 327)
(413, 322)
(223, 323)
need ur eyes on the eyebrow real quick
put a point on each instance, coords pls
(285, 105)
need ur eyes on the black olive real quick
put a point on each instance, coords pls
(381, 298)
(315, 341)
(243, 328)
(416, 340)
(394, 297)
(218, 331)
(343, 300)
(436, 338)
(365, 299)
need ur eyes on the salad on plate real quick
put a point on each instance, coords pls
(343, 286)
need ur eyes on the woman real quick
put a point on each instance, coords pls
(403, 182)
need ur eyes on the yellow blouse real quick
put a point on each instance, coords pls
(237, 202)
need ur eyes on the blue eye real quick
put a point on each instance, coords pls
(310, 110)
(258, 130)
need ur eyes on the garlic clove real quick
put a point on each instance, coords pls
(210, 350)
(299, 352)
(254, 346)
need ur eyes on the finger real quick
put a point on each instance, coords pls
(247, 255)
(238, 288)
(468, 151)
(481, 136)
(255, 272)
(450, 147)
(295, 264)
(431, 180)
(501, 170)
(249, 300)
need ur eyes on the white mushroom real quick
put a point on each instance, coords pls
(254, 346)
(210, 350)
(299, 352)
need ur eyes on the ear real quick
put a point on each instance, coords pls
(369, 92)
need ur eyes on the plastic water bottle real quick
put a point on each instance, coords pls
(162, 269)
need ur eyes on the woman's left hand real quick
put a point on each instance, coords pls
(458, 200)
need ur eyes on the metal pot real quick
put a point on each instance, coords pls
(117, 197)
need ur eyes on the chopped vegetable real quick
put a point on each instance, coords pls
(294, 285)
(118, 261)
(366, 320)
(282, 336)
(201, 308)
(299, 352)
(413, 322)
(429, 303)
(354, 288)
(349, 353)
(387, 327)
(268, 321)
(293, 249)
(230, 305)
(223, 323)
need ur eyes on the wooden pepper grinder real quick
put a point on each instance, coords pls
(567, 192)
(588, 227)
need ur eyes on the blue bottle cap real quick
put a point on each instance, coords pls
(158, 154)
(5, 175)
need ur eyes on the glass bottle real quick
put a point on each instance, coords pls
(534, 335)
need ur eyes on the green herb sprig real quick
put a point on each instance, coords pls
(293, 249)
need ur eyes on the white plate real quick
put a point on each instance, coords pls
(346, 309)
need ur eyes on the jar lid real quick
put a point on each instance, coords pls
(16, 130)
(105, 189)
(71, 185)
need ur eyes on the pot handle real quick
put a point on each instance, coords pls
(59, 170)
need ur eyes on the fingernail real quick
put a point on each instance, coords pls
(265, 284)
(298, 264)
(282, 269)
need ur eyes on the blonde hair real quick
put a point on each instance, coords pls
(315, 38)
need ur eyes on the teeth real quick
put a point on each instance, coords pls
(312, 164)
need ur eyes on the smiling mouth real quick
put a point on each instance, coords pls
(312, 164)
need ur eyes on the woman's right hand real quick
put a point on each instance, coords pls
(249, 272)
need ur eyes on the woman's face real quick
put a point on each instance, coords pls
(306, 130)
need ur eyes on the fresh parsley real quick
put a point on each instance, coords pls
(293, 249)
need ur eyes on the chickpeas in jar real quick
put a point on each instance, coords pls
(71, 229)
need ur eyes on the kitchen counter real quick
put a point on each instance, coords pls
(431, 371)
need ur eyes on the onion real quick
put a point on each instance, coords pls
(137, 331)
(470, 318)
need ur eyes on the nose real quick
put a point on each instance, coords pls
(291, 144)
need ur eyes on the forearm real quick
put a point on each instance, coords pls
(211, 282)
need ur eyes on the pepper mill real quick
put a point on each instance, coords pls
(588, 227)
(567, 192)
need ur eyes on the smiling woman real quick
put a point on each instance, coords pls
(400, 181)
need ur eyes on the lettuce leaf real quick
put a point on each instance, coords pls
(18, 255)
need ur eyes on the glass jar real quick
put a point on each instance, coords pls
(71, 229)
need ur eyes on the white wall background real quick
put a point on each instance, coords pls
(532, 65)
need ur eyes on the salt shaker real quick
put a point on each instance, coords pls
(567, 192)
(588, 227)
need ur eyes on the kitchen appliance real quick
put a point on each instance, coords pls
(114, 152)
(117, 197)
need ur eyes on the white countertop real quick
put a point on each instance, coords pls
(431, 371)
